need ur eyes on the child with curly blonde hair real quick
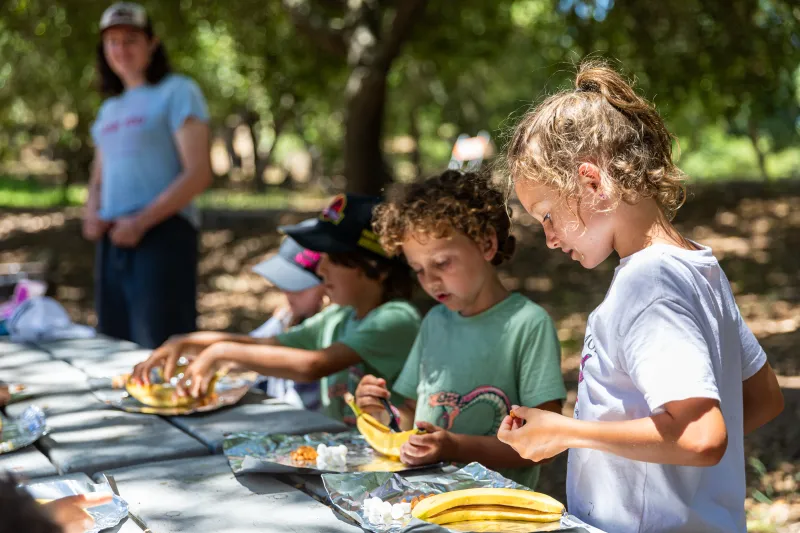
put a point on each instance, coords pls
(482, 349)
(671, 377)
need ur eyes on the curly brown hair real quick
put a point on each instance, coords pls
(605, 122)
(437, 206)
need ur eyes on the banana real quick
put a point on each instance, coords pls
(488, 504)
(382, 439)
(158, 395)
(165, 395)
(492, 512)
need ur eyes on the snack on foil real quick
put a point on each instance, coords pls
(104, 516)
(349, 493)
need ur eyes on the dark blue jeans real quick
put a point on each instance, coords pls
(148, 293)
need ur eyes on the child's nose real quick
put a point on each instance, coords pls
(552, 240)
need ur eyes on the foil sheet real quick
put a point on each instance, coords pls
(22, 431)
(229, 389)
(347, 493)
(250, 452)
(104, 516)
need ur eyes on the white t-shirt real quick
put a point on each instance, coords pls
(669, 329)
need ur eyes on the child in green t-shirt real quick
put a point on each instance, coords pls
(483, 349)
(369, 328)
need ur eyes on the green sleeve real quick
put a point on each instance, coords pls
(540, 378)
(384, 339)
(408, 380)
(308, 334)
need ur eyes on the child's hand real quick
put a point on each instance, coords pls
(200, 372)
(533, 433)
(166, 355)
(69, 512)
(434, 445)
(369, 392)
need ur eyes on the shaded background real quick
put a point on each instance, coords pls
(312, 97)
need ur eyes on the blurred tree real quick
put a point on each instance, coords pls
(736, 58)
(368, 34)
(327, 76)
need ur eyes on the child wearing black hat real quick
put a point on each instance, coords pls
(369, 328)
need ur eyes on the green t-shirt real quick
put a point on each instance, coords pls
(383, 339)
(467, 372)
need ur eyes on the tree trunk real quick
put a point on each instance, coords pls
(233, 157)
(416, 153)
(364, 165)
(251, 119)
(752, 131)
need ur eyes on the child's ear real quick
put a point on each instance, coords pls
(490, 246)
(591, 180)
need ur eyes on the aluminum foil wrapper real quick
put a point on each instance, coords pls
(105, 516)
(229, 389)
(22, 431)
(250, 452)
(347, 493)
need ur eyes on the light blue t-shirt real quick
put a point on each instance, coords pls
(135, 133)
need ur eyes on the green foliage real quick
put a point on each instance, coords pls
(726, 74)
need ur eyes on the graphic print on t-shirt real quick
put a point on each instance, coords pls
(454, 404)
(589, 351)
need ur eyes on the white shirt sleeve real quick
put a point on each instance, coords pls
(667, 355)
(272, 327)
(753, 355)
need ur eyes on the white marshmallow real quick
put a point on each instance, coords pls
(398, 511)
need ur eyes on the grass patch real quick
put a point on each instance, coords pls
(21, 193)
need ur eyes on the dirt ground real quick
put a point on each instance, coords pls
(753, 229)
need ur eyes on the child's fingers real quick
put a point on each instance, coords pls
(370, 404)
(423, 439)
(428, 427)
(521, 412)
(171, 363)
(414, 454)
(506, 425)
(141, 372)
(91, 499)
(374, 390)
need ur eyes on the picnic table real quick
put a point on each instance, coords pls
(170, 470)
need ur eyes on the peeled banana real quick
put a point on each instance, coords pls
(382, 439)
(163, 394)
(158, 395)
(488, 504)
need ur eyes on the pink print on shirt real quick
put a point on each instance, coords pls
(455, 403)
(114, 126)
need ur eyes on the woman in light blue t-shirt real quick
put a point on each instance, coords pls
(151, 159)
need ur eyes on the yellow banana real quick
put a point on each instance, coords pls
(377, 435)
(492, 512)
(488, 504)
(164, 395)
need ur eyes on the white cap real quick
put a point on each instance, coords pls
(124, 14)
(44, 319)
